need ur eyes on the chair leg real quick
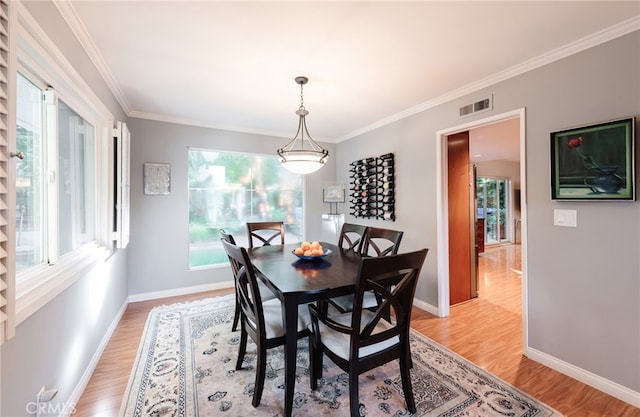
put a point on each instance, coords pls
(323, 306)
(261, 370)
(313, 380)
(242, 348)
(405, 375)
(315, 362)
(236, 317)
(354, 396)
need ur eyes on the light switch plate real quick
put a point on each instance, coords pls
(565, 218)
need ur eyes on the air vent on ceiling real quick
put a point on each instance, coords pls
(478, 106)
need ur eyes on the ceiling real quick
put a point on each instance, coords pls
(232, 65)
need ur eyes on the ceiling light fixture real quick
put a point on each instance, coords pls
(307, 158)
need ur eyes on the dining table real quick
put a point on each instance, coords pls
(297, 281)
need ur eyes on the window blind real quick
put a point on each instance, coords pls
(7, 297)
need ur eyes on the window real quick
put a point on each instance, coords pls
(226, 190)
(64, 188)
(29, 172)
(59, 148)
(76, 183)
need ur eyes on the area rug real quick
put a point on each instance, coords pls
(185, 367)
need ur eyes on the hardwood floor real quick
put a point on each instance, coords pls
(486, 330)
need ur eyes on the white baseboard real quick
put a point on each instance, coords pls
(426, 307)
(86, 376)
(133, 298)
(616, 390)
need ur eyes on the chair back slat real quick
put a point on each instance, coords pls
(265, 233)
(351, 236)
(229, 238)
(381, 242)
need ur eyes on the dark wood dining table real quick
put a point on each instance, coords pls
(295, 282)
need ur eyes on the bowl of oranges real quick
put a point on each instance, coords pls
(310, 251)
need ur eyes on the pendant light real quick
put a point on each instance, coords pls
(309, 156)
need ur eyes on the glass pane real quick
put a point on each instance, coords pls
(491, 217)
(29, 173)
(502, 209)
(226, 190)
(491, 200)
(76, 180)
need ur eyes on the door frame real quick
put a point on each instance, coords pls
(442, 209)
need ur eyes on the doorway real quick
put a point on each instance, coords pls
(443, 203)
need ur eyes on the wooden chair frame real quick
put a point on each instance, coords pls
(234, 269)
(392, 278)
(252, 317)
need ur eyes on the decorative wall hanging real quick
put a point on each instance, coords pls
(157, 178)
(372, 192)
(594, 162)
(333, 194)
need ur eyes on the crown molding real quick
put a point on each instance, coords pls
(69, 14)
(572, 48)
(197, 123)
(71, 17)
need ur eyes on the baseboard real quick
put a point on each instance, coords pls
(86, 376)
(133, 298)
(425, 306)
(615, 390)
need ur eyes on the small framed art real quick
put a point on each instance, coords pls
(157, 178)
(594, 162)
(334, 193)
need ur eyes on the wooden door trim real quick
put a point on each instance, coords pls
(442, 210)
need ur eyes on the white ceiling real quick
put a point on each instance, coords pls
(232, 64)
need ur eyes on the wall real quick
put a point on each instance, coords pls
(54, 346)
(583, 283)
(500, 169)
(158, 250)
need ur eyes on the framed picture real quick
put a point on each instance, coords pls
(157, 178)
(334, 193)
(594, 162)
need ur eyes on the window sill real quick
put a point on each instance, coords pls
(44, 283)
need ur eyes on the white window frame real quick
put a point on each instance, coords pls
(41, 58)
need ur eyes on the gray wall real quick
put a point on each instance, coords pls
(158, 250)
(584, 282)
(54, 346)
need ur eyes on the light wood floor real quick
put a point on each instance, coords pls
(486, 330)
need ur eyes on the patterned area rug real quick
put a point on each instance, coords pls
(186, 368)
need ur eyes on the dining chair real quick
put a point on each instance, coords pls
(259, 319)
(363, 340)
(351, 236)
(376, 242)
(265, 292)
(265, 232)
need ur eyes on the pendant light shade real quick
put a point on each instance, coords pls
(309, 156)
